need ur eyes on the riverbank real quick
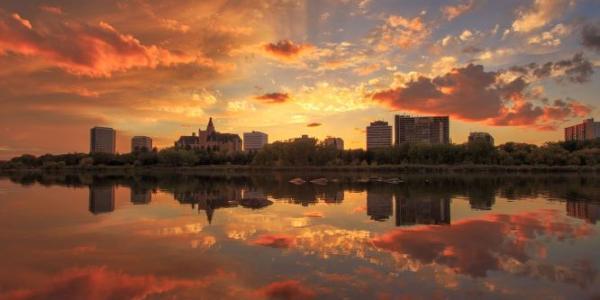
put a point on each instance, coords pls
(234, 169)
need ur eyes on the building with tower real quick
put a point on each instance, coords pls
(211, 139)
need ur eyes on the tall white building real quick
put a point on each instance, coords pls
(379, 135)
(587, 130)
(255, 140)
(139, 143)
(103, 140)
(338, 143)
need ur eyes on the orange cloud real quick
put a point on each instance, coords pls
(82, 49)
(273, 97)
(287, 50)
(453, 11)
(313, 124)
(101, 283)
(274, 241)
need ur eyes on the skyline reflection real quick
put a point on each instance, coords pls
(180, 236)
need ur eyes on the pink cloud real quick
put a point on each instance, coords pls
(83, 49)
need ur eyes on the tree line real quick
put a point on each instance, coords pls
(310, 152)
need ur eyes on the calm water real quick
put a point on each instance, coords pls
(261, 237)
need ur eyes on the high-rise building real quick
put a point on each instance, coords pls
(139, 143)
(338, 143)
(481, 137)
(102, 198)
(379, 135)
(102, 140)
(428, 130)
(255, 140)
(587, 130)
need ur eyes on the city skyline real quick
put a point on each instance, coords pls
(519, 70)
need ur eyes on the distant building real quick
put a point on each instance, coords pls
(103, 140)
(102, 199)
(140, 195)
(481, 137)
(304, 137)
(427, 130)
(587, 130)
(588, 211)
(139, 143)
(379, 205)
(210, 139)
(338, 143)
(255, 140)
(379, 135)
(422, 210)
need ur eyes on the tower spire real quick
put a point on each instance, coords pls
(210, 128)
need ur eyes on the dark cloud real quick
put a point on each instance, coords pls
(471, 50)
(577, 69)
(314, 124)
(590, 35)
(286, 49)
(471, 93)
(274, 97)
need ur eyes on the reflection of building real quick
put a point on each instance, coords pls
(210, 139)
(338, 143)
(102, 198)
(333, 196)
(211, 199)
(481, 137)
(428, 130)
(140, 195)
(139, 143)
(103, 140)
(421, 210)
(379, 205)
(584, 210)
(587, 130)
(379, 135)
(255, 140)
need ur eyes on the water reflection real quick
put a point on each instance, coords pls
(261, 237)
(102, 198)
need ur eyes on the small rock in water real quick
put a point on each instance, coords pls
(321, 181)
(297, 181)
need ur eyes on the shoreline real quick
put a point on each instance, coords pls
(403, 169)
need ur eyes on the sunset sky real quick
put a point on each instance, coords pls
(520, 70)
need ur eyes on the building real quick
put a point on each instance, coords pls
(338, 143)
(587, 130)
(588, 211)
(139, 143)
(102, 199)
(427, 130)
(103, 140)
(211, 139)
(379, 135)
(380, 205)
(430, 210)
(304, 138)
(481, 137)
(255, 140)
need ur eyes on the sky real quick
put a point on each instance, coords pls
(520, 70)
